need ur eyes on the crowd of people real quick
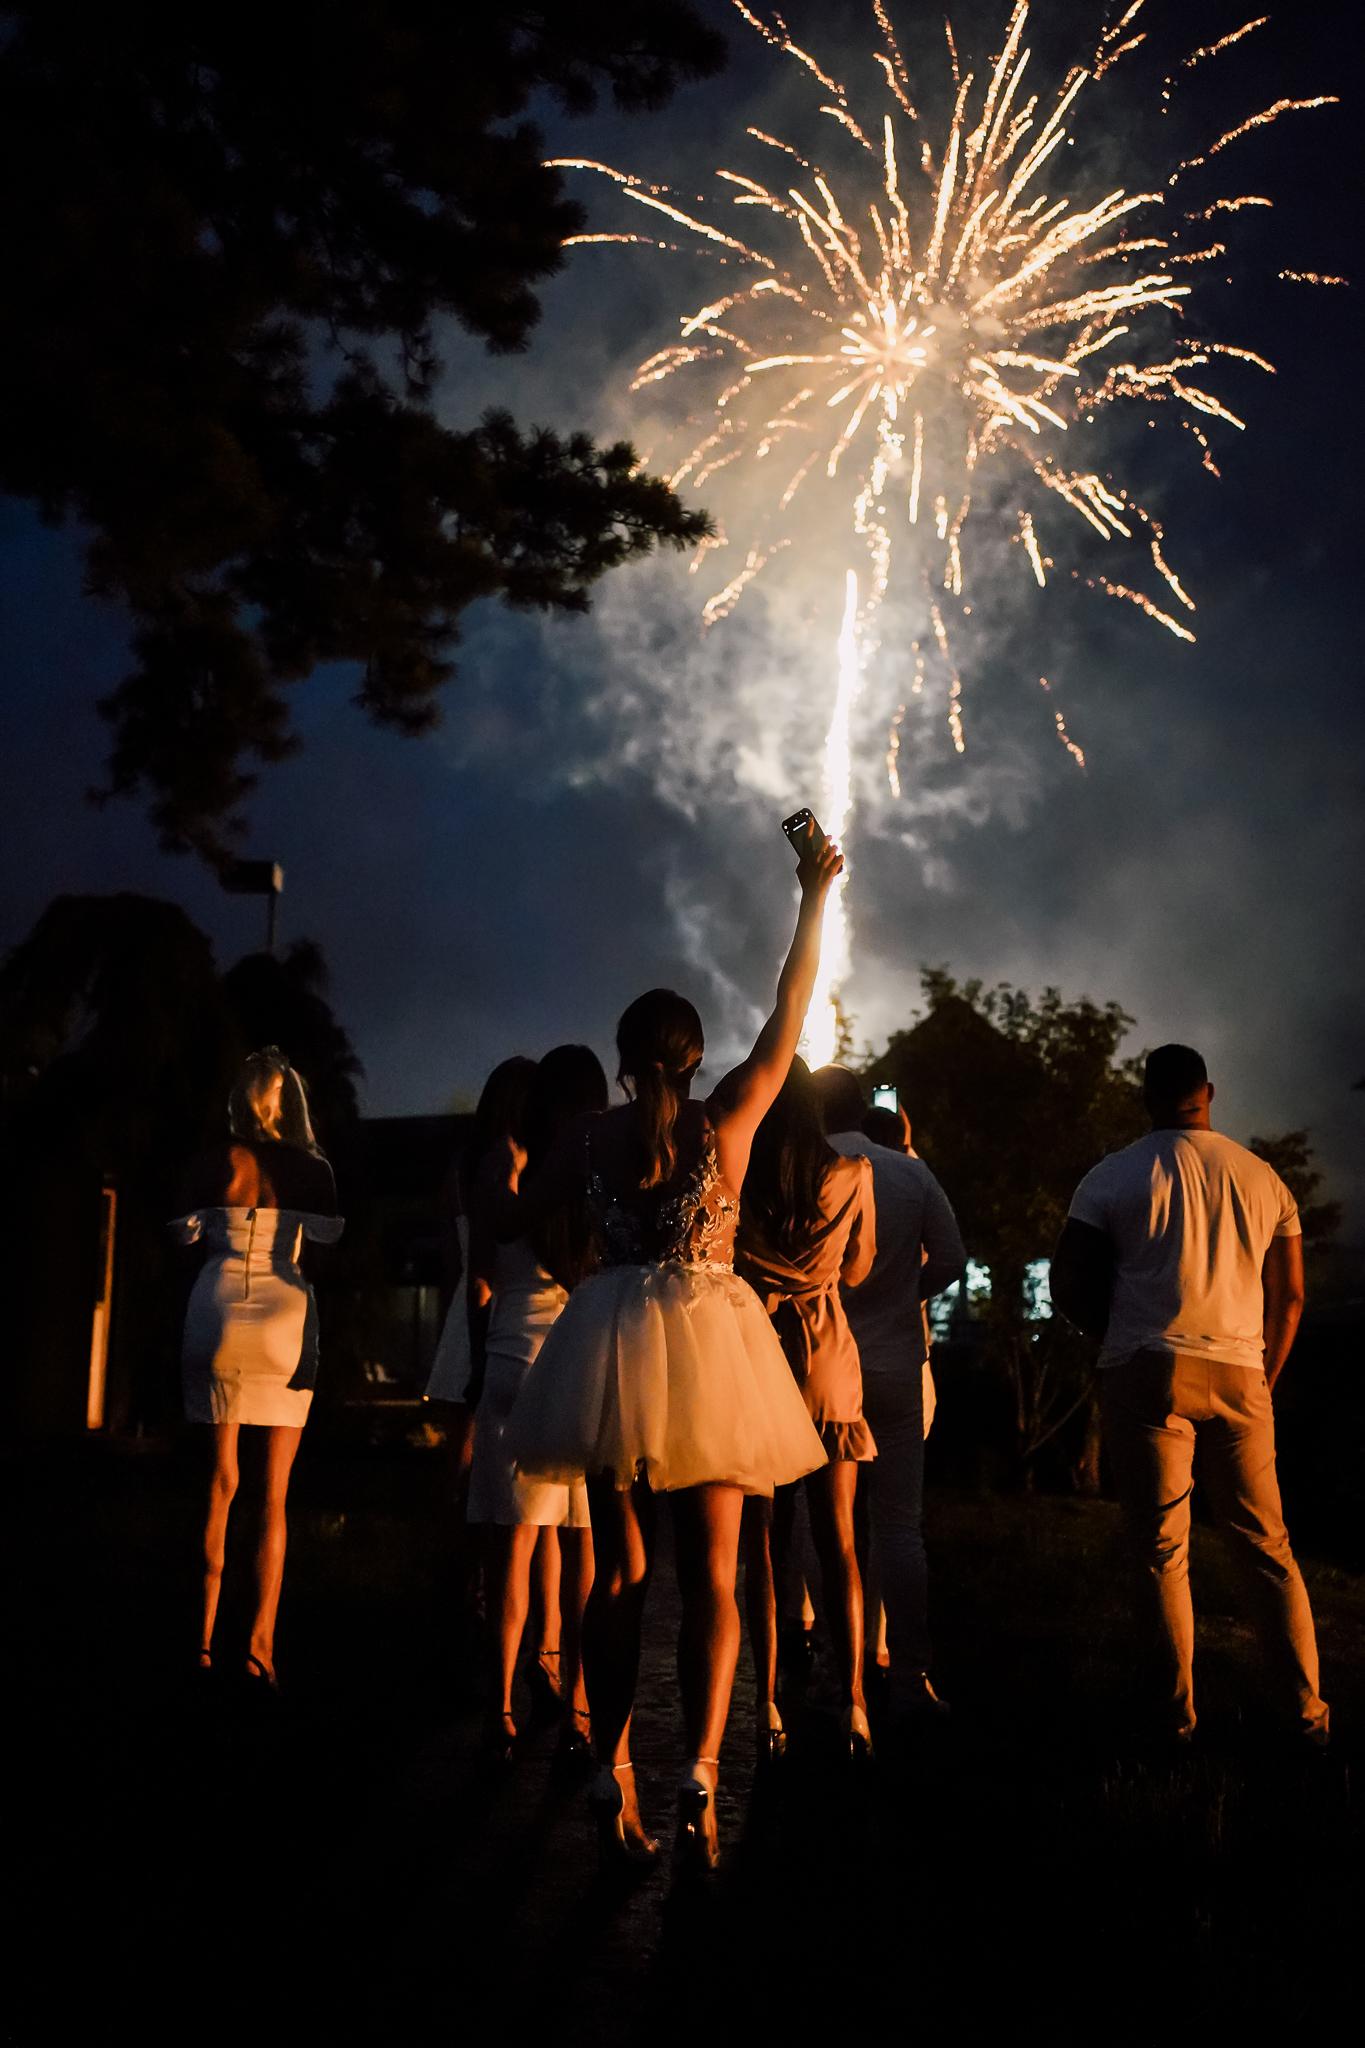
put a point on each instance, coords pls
(720, 1300)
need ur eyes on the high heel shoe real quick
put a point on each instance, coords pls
(547, 1701)
(771, 1742)
(260, 1677)
(620, 1854)
(696, 1851)
(500, 1741)
(858, 1735)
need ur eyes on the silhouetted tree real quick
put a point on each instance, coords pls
(230, 234)
(1012, 1101)
(1291, 1155)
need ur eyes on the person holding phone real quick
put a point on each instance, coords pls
(663, 1374)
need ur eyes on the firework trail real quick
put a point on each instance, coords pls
(938, 311)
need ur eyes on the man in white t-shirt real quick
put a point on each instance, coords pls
(919, 1253)
(1184, 1252)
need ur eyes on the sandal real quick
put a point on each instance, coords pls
(547, 1700)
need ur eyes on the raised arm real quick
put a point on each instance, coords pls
(740, 1102)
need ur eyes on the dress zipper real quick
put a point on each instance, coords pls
(250, 1241)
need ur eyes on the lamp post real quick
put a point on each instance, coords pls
(256, 878)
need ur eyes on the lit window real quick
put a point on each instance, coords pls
(1038, 1290)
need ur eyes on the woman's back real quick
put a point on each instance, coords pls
(817, 1259)
(690, 1217)
(268, 1175)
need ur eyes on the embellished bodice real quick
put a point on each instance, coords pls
(690, 1221)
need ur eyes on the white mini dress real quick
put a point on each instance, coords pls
(527, 1302)
(664, 1365)
(250, 1351)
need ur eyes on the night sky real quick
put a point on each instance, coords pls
(599, 811)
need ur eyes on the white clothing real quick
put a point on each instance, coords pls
(914, 1217)
(664, 1364)
(250, 1351)
(1190, 1216)
(454, 1361)
(526, 1304)
(671, 1371)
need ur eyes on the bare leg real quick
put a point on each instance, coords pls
(508, 1553)
(706, 1522)
(874, 1610)
(623, 1545)
(830, 1492)
(706, 1525)
(575, 1583)
(281, 1447)
(760, 1607)
(545, 1570)
(222, 1487)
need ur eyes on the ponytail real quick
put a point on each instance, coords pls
(659, 1039)
(658, 1103)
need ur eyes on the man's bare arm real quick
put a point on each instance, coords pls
(1082, 1278)
(1282, 1281)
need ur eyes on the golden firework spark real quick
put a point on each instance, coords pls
(939, 310)
(921, 313)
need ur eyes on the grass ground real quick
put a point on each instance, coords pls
(345, 1870)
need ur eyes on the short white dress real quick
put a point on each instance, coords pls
(448, 1379)
(250, 1351)
(527, 1302)
(664, 1365)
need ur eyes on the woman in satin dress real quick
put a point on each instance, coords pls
(250, 1352)
(808, 1229)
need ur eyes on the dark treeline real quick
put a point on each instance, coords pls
(236, 240)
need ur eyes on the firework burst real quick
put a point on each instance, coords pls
(937, 310)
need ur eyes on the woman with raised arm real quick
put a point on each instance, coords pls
(250, 1350)
(808, 1229)
(663, 1374)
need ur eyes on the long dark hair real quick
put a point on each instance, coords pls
(501, 1113)
(568, 1083)
(787, 1167)
(660, 1043)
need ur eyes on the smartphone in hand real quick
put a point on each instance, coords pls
(805, 832)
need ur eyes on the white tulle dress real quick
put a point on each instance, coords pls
(664, 1364)
(250, 1351)
(527, 1302)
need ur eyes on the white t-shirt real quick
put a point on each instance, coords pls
(1190, 1216)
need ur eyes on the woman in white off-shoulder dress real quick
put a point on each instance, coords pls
(663, 1375)
(250, 1350)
